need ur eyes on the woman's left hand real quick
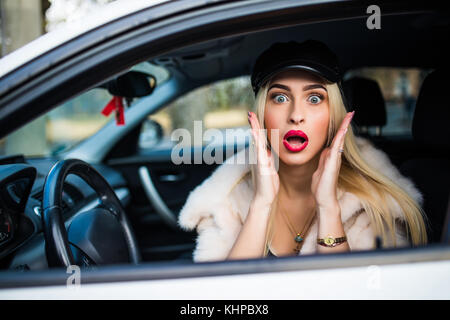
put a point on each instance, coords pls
(324, 179)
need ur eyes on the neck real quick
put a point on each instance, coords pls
(295, 181)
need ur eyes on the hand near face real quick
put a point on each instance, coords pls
(324, 179)
(267, 180)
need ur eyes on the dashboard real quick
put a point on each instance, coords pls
(22, 244)
(16, 181)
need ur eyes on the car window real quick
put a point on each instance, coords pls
(61, 128)
(222, 105)
(70, 123)
(400, 88)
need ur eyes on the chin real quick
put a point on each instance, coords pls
(294, 159)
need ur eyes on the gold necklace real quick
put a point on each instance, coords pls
(299, 236)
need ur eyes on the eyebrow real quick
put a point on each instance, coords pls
(305, 88)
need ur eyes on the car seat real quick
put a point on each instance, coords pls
(430, 169)
(364, 96)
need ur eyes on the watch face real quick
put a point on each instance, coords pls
(329, 241)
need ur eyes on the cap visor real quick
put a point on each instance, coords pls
(317, 70)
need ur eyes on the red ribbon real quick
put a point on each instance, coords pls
(115, 104)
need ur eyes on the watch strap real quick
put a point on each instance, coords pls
(330, 241)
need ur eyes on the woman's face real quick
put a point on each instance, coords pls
(297, 104)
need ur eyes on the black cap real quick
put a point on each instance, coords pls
(311, 55)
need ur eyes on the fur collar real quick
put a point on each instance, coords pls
(218, 206)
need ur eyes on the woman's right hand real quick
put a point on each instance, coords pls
(267, 180)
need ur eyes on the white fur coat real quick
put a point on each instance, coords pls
(218, 211)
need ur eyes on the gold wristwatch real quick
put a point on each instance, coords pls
(329, 241)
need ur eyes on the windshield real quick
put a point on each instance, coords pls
(70, 123)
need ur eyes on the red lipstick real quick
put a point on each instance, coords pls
(295, 140)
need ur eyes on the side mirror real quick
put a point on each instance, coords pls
(132, 84)
(151, 134)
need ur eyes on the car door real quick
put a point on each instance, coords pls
(417, 274)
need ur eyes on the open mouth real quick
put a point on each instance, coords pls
(295, 140)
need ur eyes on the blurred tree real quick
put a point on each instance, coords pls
(15, 33)
(63, 11)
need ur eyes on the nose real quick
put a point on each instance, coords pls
(297, 114)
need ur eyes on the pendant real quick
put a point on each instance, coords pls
(298, 238)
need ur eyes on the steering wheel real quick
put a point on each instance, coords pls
(102, 235)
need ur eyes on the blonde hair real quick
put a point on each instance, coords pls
(374, 190)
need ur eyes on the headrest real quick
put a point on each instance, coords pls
(432, 114)
(365, 97)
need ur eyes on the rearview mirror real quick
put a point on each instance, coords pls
(132, 84)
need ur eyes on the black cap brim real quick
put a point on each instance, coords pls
(309, 66)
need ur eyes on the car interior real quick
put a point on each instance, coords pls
(152, 189)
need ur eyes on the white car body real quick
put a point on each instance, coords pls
(431, 282)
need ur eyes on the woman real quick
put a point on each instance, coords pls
(330, 192)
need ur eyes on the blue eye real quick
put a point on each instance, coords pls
(315, 99)
(279, 98)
